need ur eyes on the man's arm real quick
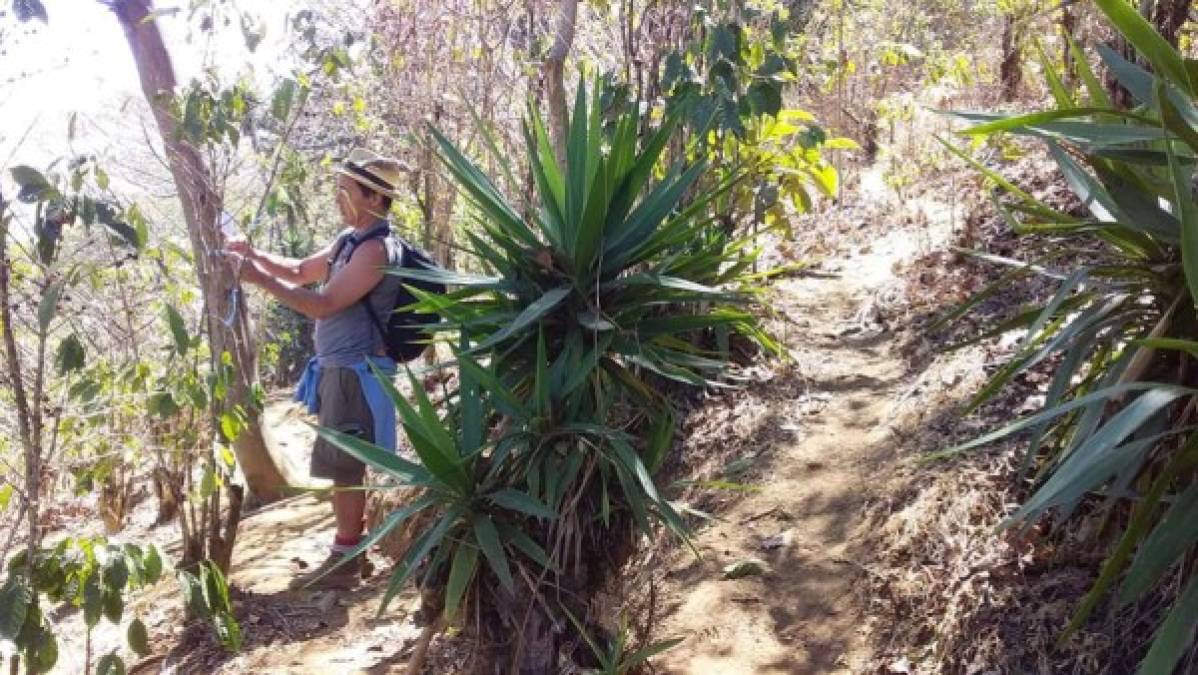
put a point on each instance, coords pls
(296, 271)
(349, 285)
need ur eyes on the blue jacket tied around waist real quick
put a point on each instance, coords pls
(380, 406)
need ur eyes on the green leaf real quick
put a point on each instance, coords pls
(1176, 634)
(228, 631)
(661, 438)
(530, 314)
(140, 229)
(162, 404)
(110, 664)
(1184, 208)
(379, 458)
(1097, 93)
(178, 329)
(280, 103)
(482, 191)
(70, 356)
(633, 462)
(465, 559)
(49, 304)
(1073, 404)
(1170, 539)
(487, 536)
(216, 589)
(32, 185)
(526, 545)
(516, 500)
(765, 97)
(1087, 469)
(230, 426)
(416, 553)
(116, 573)
(1062, 96)
(724, 42)
(15, 597)
(1061, 123)
(1188, 346)
(1091, 192)
(93, 601)
(1165, 59)
(1033, 204)
(113, 605)
(542, 404)
(6, 493)
(45, 651)
(151, 565)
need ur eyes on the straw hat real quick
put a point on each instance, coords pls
(375, 171)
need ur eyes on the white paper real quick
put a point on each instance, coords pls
(228, 226)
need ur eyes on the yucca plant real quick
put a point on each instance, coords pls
(1117, 428)
(566, 347)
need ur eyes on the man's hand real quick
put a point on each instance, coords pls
(240, 246)
(245, 268)
(251, 273)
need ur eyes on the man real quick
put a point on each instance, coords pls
(338, 383)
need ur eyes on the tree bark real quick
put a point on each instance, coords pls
(1168, 17)
(1010, 70)
(554, 77)
(201, 207)
(27, 420)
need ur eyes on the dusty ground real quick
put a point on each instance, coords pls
(832, 418)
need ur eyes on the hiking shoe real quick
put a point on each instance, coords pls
(324, 577)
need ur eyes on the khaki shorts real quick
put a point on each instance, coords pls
(343, 408)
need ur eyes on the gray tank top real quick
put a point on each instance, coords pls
(347, 337)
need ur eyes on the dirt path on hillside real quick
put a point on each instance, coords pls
(802, 614)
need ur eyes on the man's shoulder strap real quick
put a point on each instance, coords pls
(348, 239)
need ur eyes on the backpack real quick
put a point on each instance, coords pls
(406, 333)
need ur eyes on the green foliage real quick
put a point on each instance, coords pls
(207, 113)
(91, 574)
(728, 93)
(565, 345)
(63, 201)
(613, 656)
(1120, 324)
(206, 596)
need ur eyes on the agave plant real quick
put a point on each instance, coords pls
(1118, 418)
(618, 270)
(617, 285)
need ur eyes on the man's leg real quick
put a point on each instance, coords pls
(349, 508)
(342, 407)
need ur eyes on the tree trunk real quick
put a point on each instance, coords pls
(1068, 31)
(1010, 71)
(28, 417)
(1168, 17)
(218, 282)
(554, 77)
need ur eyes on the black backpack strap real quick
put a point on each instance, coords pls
(353, 242)
(342, 241)
(381, 232)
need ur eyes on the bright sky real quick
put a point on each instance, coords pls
(80, 63)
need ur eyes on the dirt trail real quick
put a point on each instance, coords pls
(801, 615)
